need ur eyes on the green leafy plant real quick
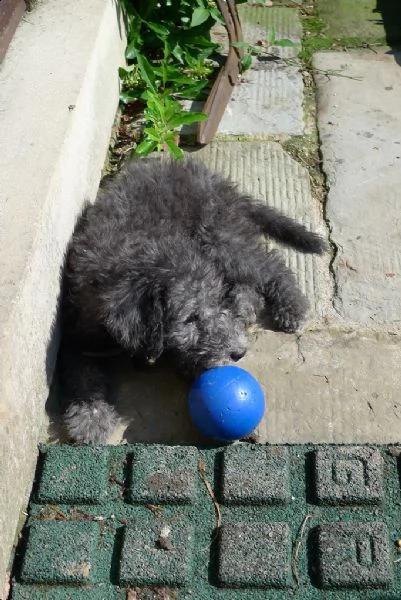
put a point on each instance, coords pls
(169, 60)
(163, 115)
(168, 56)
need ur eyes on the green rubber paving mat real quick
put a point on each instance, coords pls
(245, 521)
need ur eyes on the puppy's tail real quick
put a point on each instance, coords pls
(286, 230)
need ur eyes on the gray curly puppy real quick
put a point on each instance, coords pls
(170, 259)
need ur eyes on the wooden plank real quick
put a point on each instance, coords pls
(11, 12)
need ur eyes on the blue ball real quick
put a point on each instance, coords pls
(226, 403)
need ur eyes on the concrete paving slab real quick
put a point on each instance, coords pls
(328, 386)
(258, 21)
(359, 119)
(269, 99)
(265, 171)
(151, 404)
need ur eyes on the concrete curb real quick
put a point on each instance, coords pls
(59, 93)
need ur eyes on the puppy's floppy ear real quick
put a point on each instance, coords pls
(135, 319)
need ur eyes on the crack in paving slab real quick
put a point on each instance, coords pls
(330, 238)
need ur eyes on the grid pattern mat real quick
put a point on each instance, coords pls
(245, 521)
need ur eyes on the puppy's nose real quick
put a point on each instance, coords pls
(236, 356)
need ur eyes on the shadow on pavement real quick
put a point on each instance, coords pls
(389, 15)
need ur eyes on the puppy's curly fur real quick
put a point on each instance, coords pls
(170, 258)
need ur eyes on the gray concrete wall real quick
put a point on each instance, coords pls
(58, 97)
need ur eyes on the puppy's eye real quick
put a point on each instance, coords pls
(191, 319)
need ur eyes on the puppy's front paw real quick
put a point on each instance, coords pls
(289, 318)
(286, 322)
(90, 422)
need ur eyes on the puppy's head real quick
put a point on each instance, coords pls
(206, 320)
(185, 308)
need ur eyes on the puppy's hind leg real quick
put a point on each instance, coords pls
(89, 418)
(287, 303)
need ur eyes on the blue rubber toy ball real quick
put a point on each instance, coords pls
(226, 403)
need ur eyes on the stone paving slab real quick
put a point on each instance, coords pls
(321, 386)
(266, 172)
(329, 386)
(269, 99)
(333, 533)
(359, 119)
(258, 20)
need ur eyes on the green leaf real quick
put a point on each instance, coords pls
(145, 147)
(146, 8)
(181, 79)
(157, 28)
(194, 41)
(216, 14)
(174, 150)
(134, 27)
(171, 112)
(244, 45)
(171, 72)
(271, 36)
(285, 43)
(186, 118)
(199, 16)
(155, 106)
(131, 51)
(191, 92)
(123, 71)
(246, 62)
(147, 72)
(127, 97)
(178, 53)
(152, 134)
(203, 54)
